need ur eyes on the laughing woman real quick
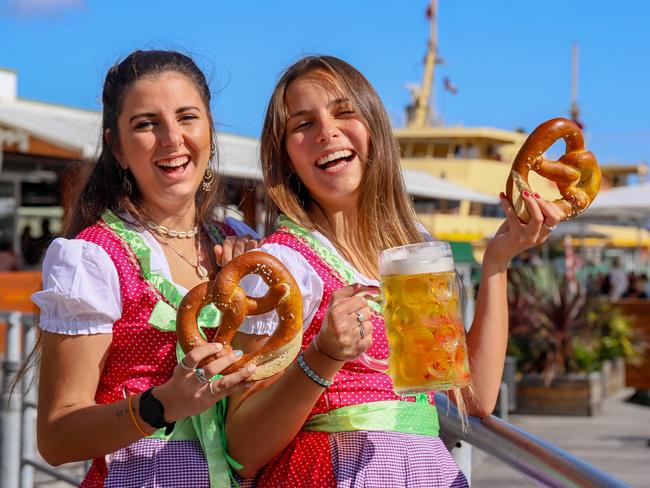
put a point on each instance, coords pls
(331, 166)
(141, 234)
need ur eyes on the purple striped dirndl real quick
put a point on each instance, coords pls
(374, 459)
(157, 463)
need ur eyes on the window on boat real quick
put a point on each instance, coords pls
(440, 150)
(420, 150)
(435, 205)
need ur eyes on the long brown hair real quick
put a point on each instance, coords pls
(105, 187)
(388, 216)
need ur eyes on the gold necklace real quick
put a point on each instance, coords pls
(201, 271)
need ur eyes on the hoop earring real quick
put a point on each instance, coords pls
(126, 183)
(208, 179)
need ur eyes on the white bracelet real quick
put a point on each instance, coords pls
(315, 342)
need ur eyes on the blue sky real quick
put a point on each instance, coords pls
(509, 59)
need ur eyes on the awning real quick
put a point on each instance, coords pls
(463, 252)
(628, 205)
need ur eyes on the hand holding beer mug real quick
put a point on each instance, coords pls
(424, 322)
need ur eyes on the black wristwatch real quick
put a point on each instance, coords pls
(153, 412)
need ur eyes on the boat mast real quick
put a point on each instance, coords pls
(575, 111)
(424, 108)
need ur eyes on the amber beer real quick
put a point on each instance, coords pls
(423, 316)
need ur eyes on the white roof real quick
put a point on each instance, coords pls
(239, 156)
(623, 204)
(78, 130)
(422, 184)
(70, 128)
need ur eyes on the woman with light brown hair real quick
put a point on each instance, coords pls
(337, 198)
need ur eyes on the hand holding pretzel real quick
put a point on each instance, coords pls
(225, 292)
(576, 174)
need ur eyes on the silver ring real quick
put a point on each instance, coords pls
(360, 316)
(549, 227)
(200, 375)
(211, 390)
(184, 366)
(362, 331)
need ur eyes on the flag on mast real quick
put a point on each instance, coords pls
(449, 86)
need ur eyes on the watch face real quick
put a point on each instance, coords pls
(151, 410)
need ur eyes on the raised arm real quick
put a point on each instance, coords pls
(487, 339)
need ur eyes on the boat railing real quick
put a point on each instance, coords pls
(537, 459)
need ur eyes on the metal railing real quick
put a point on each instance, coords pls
(532, 456)
(528, 454)
(18, 411)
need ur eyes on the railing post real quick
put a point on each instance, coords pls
(462, 454)
(10, 408)
(28, 420)
(504, 404)
(461, 451)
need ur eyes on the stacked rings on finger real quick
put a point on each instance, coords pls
(200, 375)
(360, 319)
(184, 366)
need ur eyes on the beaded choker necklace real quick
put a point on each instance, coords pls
(165, 232)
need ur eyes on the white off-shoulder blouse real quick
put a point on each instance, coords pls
(81, 288)
(311, 285)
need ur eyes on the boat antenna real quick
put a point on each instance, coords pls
(575, 110)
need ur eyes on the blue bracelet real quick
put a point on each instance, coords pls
(311, 374)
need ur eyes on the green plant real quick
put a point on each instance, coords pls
(614, 336)
(556, 327)
(546, 312)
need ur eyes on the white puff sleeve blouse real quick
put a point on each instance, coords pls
(81, 288)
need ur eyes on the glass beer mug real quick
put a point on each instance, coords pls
(422, 300)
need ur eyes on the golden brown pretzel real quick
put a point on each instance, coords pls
(225, 292)
(576, 173)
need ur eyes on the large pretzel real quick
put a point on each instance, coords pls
(576, 173)
(225, 292)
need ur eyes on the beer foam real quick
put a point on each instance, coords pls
(424, 260)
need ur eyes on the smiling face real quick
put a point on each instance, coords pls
(326, 141)
(164, 139)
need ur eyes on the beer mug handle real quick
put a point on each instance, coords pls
(463, 295)
(368, 361)
(372, 363)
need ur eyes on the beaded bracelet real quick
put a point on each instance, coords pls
(311, 374)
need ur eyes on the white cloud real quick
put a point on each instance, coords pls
(33, 8)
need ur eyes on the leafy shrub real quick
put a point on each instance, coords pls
(556, 327)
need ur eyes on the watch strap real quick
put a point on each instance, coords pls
(153, 412)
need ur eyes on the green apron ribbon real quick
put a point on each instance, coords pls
(336, 264)
(417, 417)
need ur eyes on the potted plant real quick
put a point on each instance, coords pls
(614, 343)
(560, 336)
